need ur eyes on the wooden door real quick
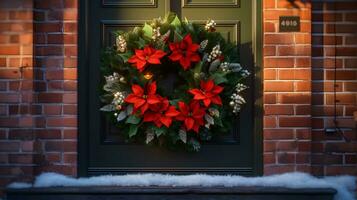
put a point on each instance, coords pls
(102, 150)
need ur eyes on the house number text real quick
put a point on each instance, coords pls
(289, 24)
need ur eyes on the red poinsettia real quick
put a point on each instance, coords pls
(185, 52)
(143, 57)
(142, 99)
(209, 93)
(192, 115)
(161, 113)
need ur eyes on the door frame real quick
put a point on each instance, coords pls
(83, 78)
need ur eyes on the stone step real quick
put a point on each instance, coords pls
(170, 193)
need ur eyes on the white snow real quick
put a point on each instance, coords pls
(345, 185)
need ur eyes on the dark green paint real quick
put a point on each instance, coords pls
(98, 150)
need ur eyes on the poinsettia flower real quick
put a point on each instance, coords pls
(161, 113)
(209, 93)
(192, 115)
(143, 98)
(185, 52)
(144, 57)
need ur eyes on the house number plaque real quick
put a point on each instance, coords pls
(289, 24)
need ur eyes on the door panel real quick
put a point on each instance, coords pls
(107, 153)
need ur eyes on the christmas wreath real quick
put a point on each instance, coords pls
(172, 83)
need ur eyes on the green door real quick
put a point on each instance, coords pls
(102, 150)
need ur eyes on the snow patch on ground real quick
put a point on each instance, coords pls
(345, 185)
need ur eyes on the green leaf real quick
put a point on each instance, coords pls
(219, 78)
(176, 22)
(108, 108)
(195, 145)
(183, 136)
(133, 130)
(218, 121)
(159, 131)
(140, 43)
(198, 68)
(132, 119)
(122, 115)
(149, 137)
(147, 29)
(174, 102)
(125, 56)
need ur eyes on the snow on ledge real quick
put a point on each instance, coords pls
(345, 185)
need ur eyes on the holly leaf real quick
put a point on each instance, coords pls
(183, 136)
(147, 29)
(219, 78)
(133, 129)
(129, 109)
(122, 115)
(176, 22)
(132, 119)
(125, 56)
(141, 43)
(149, 137)
(218, 121)
(195, 145)
(108, 108)
(159, 131)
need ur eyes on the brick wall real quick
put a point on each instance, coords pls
(38, 83)
(287, 89)
(299, 88)
(334, 43)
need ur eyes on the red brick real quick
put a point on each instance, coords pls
(278, 86)
(269, 50)
(70, 158)
(61, 146)
(62, 121)
(278, 169)
(9, 50)
(9, 74)
(278, 109)
(269, 122)
(286, 158)
(278, 62)
(48, 134)
(269, 98)
(294, 121)
(21, 158)
(50, 97)
(278, 134)
(21, 15)
(269, 158)
(286, 146)
(278, 39)
(269, 74)
(294, 50)
(9, 146)
(298, 98)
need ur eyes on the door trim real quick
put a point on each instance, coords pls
(83, 120)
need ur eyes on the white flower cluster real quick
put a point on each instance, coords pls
(236, 99)
(155, 33)
(230, 67)
(114, 77)
(118, 100)
(210, 24)
(245, 73)
(121, 44)
(224, 67)
(216, 51)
